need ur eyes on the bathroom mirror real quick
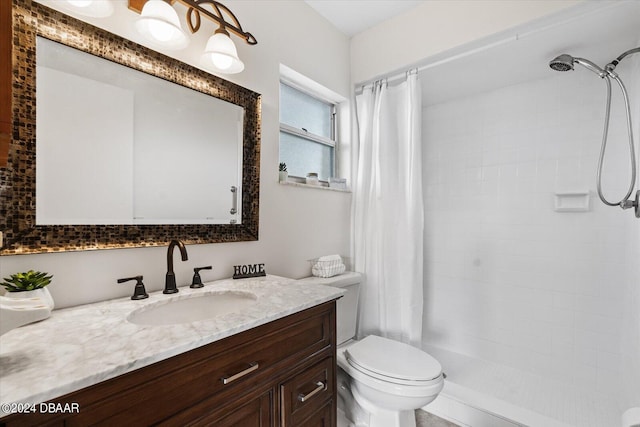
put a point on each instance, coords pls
(196, 180)
(115, 145)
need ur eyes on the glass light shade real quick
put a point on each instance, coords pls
(159, 23)
(221, 53)
(92, 8)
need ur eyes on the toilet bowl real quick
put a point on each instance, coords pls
(381, 382)
(388, 380)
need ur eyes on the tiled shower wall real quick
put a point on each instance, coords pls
(631, 313)
(507, 278)
(631, 331)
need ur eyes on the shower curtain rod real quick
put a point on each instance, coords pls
(398, 74)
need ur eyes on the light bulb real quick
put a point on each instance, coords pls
(161, 31)
(221, 61)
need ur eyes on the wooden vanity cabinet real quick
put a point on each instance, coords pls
(278, 374)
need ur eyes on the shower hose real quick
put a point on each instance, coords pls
(625, 202)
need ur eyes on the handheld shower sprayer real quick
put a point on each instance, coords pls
(565, 62)
(562, 62)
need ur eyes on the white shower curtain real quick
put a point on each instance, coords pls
(388, 212)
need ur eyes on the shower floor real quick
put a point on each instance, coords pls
(516, 397)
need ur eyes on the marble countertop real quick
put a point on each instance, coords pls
(81, 346)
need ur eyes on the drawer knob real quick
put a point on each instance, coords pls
(253, 366)
(320, 386)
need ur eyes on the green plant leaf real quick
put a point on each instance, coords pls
(28, 281)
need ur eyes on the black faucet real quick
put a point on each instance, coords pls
(170, 280)
(138, 292)
(196, 282)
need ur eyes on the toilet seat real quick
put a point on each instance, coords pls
(393, 362)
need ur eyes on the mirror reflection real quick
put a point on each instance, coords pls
(117, 146)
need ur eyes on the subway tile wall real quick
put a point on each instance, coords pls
(631, 313)
(507, 278)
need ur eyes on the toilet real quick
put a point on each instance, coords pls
(381, 382)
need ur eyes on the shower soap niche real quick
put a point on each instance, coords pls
(577, 201)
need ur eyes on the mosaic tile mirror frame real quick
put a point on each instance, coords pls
(18, 179)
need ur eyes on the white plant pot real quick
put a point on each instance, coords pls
(283, 176)
(42, 293)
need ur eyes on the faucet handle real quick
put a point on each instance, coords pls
(196, 282)
(139, 292)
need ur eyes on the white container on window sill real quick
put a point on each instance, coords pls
(340, 183)
(312, 179)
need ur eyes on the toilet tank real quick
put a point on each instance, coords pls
(347, 306)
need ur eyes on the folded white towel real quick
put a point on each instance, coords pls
(327, 266)
(333, 270)
(327, 258)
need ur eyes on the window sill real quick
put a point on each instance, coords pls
(317, 187)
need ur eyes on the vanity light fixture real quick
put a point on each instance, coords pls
(159, 23)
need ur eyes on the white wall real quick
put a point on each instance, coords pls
(436, 26)
(631, 309)
(508, 279)
(295, 223)
(631, 328)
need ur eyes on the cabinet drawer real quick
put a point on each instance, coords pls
(307, 392)
(242, 411)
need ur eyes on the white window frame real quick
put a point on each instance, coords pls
(309, 87)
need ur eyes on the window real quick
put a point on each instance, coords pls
(307, 133)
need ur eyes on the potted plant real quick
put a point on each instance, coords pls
(31, 284)
(283, 174)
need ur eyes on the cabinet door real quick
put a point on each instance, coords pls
(306, 393)
(252, 412)
(323, 417)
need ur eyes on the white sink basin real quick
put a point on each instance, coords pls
(193, 308)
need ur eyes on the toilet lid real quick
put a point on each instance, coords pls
(393, 359)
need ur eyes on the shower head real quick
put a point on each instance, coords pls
(565, 62)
